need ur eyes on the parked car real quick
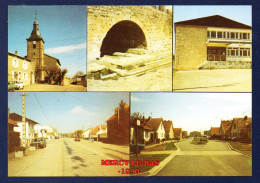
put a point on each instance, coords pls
(19, 85)
(133, 148)
(39, 142)
(77, 139)
(11, 86)
(91, 139)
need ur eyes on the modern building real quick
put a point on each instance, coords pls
(212, 42)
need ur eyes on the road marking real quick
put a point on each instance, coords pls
(107, 157)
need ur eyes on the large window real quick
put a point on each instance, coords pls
(241, 52)
(228, 35)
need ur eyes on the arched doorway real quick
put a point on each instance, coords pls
(122, 36)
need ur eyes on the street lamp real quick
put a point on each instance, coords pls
(137, 124)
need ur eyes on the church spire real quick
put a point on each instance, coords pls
(35, 35)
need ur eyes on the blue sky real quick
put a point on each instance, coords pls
(238, 13)
(63, 29)
(67, 111)
(193, 111)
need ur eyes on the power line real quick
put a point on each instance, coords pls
(41, 107)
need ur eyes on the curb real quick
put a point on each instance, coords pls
(231, 148)
(156, 169)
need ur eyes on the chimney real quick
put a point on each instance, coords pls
(16, 52)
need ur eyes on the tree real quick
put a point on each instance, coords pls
(136, 115)
(79, 73)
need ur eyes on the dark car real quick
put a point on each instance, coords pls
(77, 139)
(39, 142)
(133, 148)
(11, 86)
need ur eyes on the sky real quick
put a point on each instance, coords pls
(193, 111)
(67, 111)
(238, 13)
(63, 28)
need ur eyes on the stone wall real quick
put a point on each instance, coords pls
(156, 26)
(190, 46)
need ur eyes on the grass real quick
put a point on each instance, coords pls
(147, 157)
(244, 147)
(162, 147)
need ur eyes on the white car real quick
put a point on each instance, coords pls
(19, 85)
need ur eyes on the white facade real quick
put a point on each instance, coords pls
(160, 132)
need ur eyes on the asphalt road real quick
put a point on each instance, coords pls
(65, 157)
(212, 159)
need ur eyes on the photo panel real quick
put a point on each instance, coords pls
(191, 134)
(47, 48)
(213, 48)
(72, 134)
(129, 48)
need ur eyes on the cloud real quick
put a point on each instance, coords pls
(66, 49)
(136, 99)
(81, 110)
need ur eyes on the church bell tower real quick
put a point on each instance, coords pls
(35, 51)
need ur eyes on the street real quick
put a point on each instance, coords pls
(212, 159)
(219, 80)
(66, 157)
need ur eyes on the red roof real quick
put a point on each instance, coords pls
(18, 118)
(177, 131)
(226, 125)
(214, 130)
(154, 123)
(114, 116)
(243, 123)
(167, 126)
(11, 122)
(97, 129)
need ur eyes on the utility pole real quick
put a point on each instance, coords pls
(23, 122)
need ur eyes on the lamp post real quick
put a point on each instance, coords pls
(137, 124)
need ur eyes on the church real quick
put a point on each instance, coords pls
(36, 66)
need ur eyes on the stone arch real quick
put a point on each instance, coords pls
(122, 36)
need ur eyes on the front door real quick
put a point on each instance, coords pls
(216, 53)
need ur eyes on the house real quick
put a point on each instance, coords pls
(225, 127)
(20, 69)
(86, 133)
(241, 128)
(118, 125)
(213, 42)
(214, 132)
(36, 66)
(29, 133)
(157, 132)
(45, 131)
(195, 134)
(168, 127)
(177, 133)
(99, 129)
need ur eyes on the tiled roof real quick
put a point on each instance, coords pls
(226, 125)
(167, 126)
(215, 21)
(112, 118)
(18, 118)
(97, 129)
(11, 122)
(154, 123)
(177, 131)
(214, 130)
(243, 123)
